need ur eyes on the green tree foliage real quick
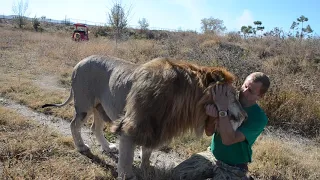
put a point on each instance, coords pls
(258, 23)
(308, 29)
(212, 25)
(303, 30)
(294, 27)
(246, 30)
(302, 19)
(258, 26)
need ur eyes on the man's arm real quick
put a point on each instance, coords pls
(220, 97)
(228, 135)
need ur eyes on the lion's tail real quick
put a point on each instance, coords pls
(63, 104)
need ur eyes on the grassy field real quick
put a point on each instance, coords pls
(35, 69)
(31, 151)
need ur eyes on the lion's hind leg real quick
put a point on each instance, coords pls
(75, 127)
(100, 117)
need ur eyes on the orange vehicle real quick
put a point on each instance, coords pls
(80, 32)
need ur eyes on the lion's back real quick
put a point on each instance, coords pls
(103, 78)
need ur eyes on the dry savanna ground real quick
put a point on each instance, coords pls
(35, 69)
(31, 151)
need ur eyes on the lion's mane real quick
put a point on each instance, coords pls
(167, 98)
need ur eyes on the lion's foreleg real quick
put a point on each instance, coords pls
(145, 157)
(126, 153)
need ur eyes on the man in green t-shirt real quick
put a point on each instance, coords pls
(232, 150)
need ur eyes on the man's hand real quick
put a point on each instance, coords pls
(228, 135)
(220, 96)
(211, 110)
(211, 123)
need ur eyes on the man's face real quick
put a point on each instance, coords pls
(250, 92)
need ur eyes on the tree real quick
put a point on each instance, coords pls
(212, 25)
(143, 24)
(20, 10)
(302, 19)
(246, 30)
(36, 23)
(257, 23)
(118, 18)
(307, 29)
(275, 32)
(303, 31)
(258, 26)
(294, 26)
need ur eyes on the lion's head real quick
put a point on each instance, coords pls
(168, 98)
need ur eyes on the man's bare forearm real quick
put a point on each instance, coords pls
(226, 131)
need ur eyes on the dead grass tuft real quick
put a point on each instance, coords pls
(276, 159)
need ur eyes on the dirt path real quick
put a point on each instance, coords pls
(158, 158)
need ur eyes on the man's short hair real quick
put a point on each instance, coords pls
(263, 78)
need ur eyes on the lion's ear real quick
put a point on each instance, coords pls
(226, 76)
(221, 77)
(210, 78)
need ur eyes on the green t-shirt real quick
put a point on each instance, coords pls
(241, 152)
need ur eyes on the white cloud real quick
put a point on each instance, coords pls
(245, 19)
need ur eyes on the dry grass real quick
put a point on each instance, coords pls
(27, 93)
(273, 158)
(30, 151)
(188, 144)
(278, 159)
(28, 58)
(292, 65)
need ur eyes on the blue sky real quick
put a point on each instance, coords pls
(181, 14)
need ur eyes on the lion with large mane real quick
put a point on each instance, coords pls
(149, 104)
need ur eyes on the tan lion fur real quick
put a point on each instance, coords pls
(167, 99)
